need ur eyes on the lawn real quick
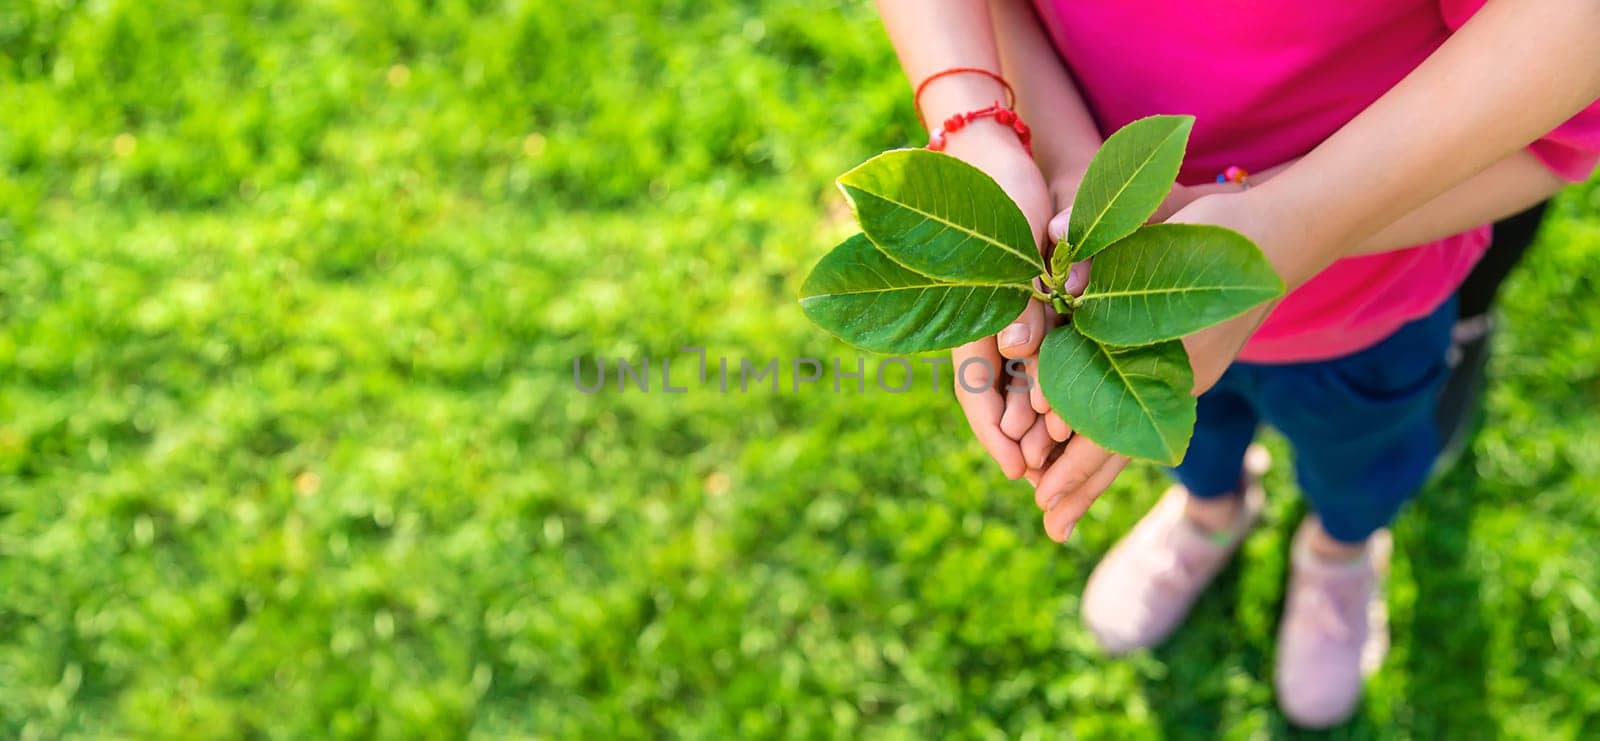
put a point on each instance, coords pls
(290, 444)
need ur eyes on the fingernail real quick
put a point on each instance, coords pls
(1068, 533)
(1055, 500)
(1014, 335)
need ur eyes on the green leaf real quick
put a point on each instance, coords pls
(1126, 181)
(1131, 400)
(1169, 280)
(870, 301)
(942, 217)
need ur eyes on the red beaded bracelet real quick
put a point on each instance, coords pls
(916, 98)
(1001, 114)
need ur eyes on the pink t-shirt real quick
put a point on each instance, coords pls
(1267, 82)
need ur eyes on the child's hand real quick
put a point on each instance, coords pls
(1026, 417)
(1035, 435)
(1002, 426)
(1083, 470)
(1063, 189)
(1212, 350)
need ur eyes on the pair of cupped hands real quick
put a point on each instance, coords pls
(1009, 414)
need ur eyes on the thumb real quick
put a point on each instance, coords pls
(1021, 339)
(1076, 280)
(1057, 229)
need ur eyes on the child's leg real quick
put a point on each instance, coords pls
(1143, 588)
(1364, 436)
(1211, 471)
(1362, 426)
(1224, 426)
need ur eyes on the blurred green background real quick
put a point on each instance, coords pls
(290, 294)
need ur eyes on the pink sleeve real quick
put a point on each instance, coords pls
(1572, 150)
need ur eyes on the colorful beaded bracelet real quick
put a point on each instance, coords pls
(1235, 174)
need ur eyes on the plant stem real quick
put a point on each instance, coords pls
(1052, 282)
(1045, 297)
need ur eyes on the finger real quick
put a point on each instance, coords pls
(1059, 431)
(1036, 444)
(1021, 338)
(1060, 521)
(1071, 471)
(983, 411)
(1035, 390)
(1036, 395)
(1036, 399)
(1035, 475)
(976, 366)
(1057, 228)
(1077, 278)
(1019, 417)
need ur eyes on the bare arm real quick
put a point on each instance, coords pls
(1065, 138)
(1507, 187)
(1516, 70)
(1064, 133)
(935, 35)
(931, 36)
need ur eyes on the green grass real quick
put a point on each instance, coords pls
(290, 446)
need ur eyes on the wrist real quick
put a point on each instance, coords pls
(1316, 218)
(984, 137)
(1294, 251)
(1295, 248)
(954, 94)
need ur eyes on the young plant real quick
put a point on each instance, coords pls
(946, 258)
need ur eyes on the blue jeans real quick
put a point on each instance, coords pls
(1362, 425)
